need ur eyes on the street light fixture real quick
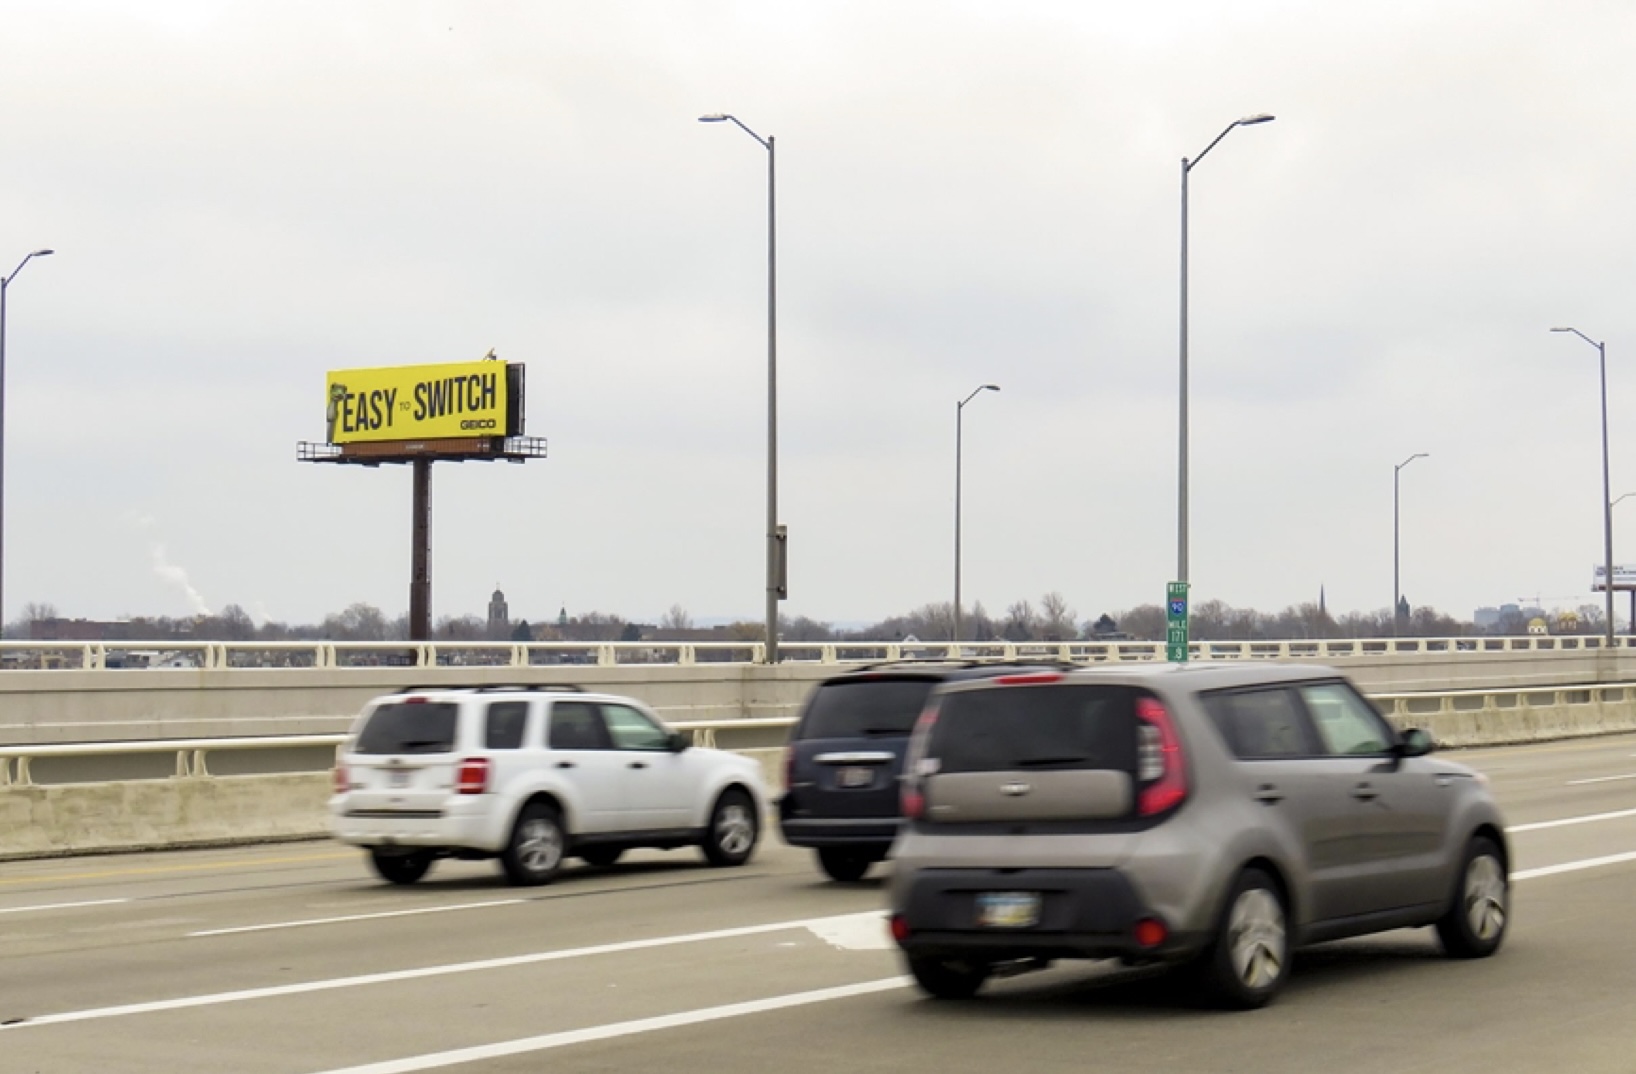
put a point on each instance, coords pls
(1397, 593)
(1607, 494)
(776, 548)
(1181, 477)
(5, 283)
(959, 409)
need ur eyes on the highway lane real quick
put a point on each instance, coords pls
(292, 958)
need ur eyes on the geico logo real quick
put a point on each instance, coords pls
(485, 423)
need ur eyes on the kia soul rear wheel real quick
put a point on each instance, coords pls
(1247, 963)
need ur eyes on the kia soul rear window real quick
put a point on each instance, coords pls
(1037, 727)
(401, 728)
(865, 708)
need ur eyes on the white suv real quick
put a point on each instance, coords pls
(531, 774)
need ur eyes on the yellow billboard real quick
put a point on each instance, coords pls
(418, 402)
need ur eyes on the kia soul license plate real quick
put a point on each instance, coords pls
(1008, 909)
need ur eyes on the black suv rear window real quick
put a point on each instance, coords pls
(862, 708)
(403, 728)
(1043, 727)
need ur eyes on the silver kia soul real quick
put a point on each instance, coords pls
(1209, 816)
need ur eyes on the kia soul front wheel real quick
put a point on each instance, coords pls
(1474, 925)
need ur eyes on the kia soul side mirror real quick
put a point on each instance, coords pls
(1415, 743)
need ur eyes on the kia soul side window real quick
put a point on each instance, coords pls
(1347, 724)
(1260, 725)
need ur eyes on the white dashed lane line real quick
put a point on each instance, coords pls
(356, 917)
(1599, 779)
(613, 1030)
(59, 906)
(841, 931)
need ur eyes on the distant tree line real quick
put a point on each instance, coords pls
(1051, 620)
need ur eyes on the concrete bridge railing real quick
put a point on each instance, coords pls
(232, 691)
(226, 656)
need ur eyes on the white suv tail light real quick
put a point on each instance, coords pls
(473, 776)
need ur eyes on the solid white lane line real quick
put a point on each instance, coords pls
(300, 988)
(355, 917)
(1565, 821)
(547, 1041)
(1599, 779)
(60, 906)
(1574, 866)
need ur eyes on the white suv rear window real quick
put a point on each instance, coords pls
(427, 727)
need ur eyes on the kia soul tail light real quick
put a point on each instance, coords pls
(1161, 764)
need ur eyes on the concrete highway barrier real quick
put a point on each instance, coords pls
(48, 820)
(183, 801)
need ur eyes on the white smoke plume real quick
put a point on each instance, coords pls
(168, 571)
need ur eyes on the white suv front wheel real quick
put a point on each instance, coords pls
(733, 830)
(538, 843)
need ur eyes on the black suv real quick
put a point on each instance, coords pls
(845, 757)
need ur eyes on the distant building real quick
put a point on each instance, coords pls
(78, 630)
(1486, 618)
(499, 616)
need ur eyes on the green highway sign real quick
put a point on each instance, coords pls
(1176, 622)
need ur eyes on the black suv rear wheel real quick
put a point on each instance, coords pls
(844, 865)
(400, 867)
(947, 978)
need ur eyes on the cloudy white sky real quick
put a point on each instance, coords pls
(243, 196)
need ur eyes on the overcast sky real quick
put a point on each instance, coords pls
(243, 196)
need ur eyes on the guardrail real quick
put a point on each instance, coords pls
(226, 656)
(1460, 716)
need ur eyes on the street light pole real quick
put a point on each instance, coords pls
(5, 283)
(959, 409)
(1181, 465)
(1397, 592)
(1614, 504)
(1607, 487)
(776, 548)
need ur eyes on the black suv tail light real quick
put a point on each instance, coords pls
(912, 800)
(1161, 766)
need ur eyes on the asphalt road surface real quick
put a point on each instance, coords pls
(293, 959)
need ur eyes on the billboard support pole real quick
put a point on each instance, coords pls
(420, 561)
